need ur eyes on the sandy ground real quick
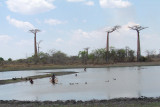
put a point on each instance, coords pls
(121, 102)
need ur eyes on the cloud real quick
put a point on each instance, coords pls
(20, 24)
(75, 0)
(114, 3)
(89, 3)
(29, 6)
(59, 40)
(5, 38)
(53, 22)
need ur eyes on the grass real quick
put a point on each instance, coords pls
(8, 81)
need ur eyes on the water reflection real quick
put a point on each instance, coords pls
(96, 83)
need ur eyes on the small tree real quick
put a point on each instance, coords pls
(9, 59)
(1, 61)
(82, 55)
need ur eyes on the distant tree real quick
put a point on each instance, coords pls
(138, 28)
(43, 57)
(99, 55)
(82, 55)
(86, 55)
(35, 31)
(91, 57)
(113, 54)
(1, 61)
(74, 59)
(107, 45)
(121, 55)
(38, 43)
(59, 57)
(131, 56)
(9, 59)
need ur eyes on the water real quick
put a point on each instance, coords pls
(26, 73)
(95, 83)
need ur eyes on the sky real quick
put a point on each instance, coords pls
(72, 25)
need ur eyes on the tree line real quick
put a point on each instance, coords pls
(97, 56)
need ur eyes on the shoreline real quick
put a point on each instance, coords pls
(118, 102)
(51, 66)
(15, 80)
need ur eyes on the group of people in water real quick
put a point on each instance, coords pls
(53, 78)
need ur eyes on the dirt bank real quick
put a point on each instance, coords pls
(51, 66)
(122, 102)
(15, 80)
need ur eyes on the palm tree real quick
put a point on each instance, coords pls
(138, 28)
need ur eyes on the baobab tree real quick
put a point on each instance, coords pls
(107, 45)
(34, 31)
(138, 28)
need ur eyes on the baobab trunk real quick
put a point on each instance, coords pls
(107, 48)
(35, 45)
(138, 47)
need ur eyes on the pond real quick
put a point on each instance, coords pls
(95, 83)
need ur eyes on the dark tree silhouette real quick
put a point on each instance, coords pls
(86, 56)
(34, 31)
(38, 43)
(107, 45)
(138, 28)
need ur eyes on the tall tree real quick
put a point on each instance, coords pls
(107, 45)
(138, 28)
(35, 31)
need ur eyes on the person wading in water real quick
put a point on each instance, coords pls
(53, 78)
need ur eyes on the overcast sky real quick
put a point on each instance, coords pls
(72, 25)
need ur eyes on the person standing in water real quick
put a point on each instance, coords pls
(53, 78)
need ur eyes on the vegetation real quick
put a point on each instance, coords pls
(121, 102)
(97, 56)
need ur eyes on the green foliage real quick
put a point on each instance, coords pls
(143, 59)
(121, 55)
(59, 57)
(1, 59)
(9, 59)
(83, 56)
(97, 56)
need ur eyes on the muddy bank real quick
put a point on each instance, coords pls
(51, 66)
(15, 80)
(121, 102)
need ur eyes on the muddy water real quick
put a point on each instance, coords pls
(95, 83)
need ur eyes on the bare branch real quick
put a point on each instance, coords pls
(113, 29)
(39, 42)
(34, 30)
(137, 27)
(86, 48)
